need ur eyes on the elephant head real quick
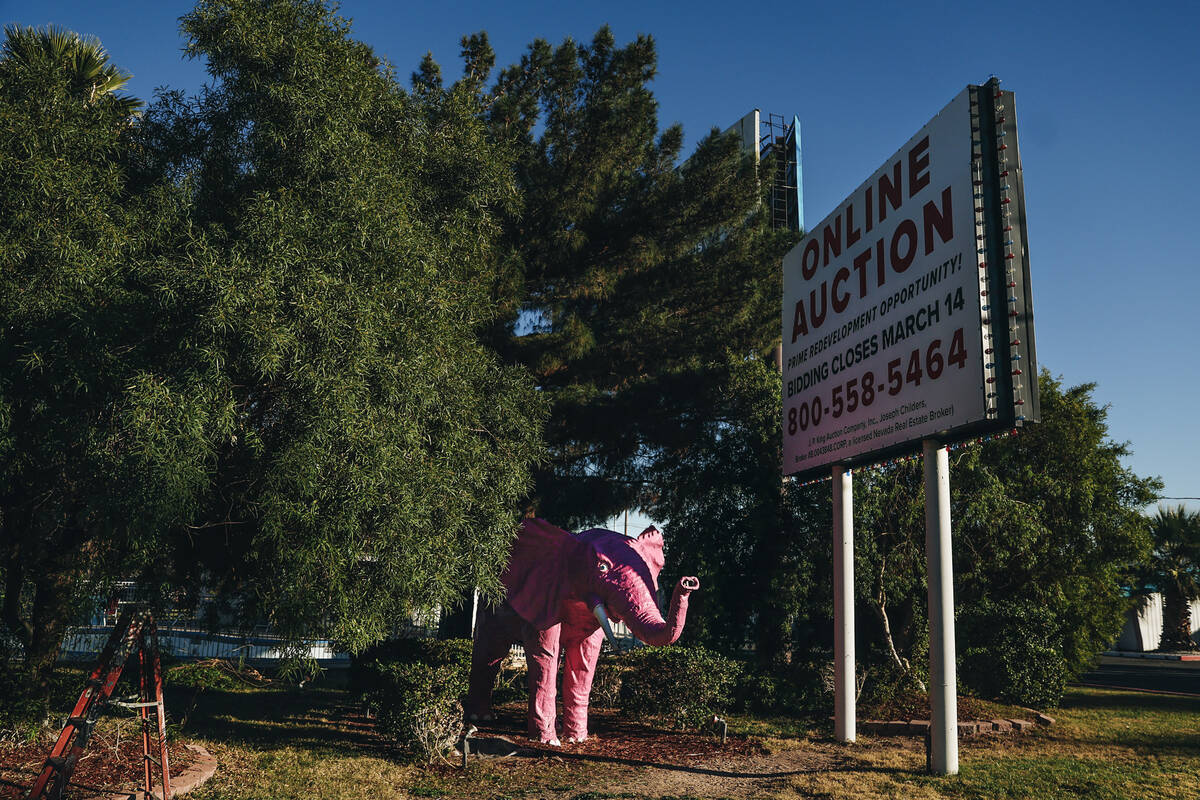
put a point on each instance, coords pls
(555, 576)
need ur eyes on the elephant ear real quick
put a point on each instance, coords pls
(535, 580)
(649, 545)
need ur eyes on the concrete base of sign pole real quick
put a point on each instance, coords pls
(844, 685)
(943, 680)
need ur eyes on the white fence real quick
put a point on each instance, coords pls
(185, 636)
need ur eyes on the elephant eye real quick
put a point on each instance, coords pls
(602, 567)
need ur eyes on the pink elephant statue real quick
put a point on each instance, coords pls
(561, 589)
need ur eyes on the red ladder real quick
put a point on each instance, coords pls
(133, 631)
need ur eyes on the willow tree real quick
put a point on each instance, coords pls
(365, 454)
(75, 323)
(241, 337)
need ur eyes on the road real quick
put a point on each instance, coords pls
(1148, 676)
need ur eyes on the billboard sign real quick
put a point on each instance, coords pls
(906, 312)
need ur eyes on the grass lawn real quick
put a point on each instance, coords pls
(288, 743)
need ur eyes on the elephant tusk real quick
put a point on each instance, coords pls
(602, 617)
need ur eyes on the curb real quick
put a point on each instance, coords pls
(203, 768)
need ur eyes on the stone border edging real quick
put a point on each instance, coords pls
(203, 768)
(972, 727)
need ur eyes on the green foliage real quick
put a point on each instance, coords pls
(686, 685)
(22, 712)
(78, 324)
(607, 680)
(1050, 516)
(60, 53)
(1012, 651)
(1053, 516)
(202, 676)
(632, 281)
(240, 334)
(367, 666)
(415, 686)
(890, 577)
(786, 688)
(365, 451)
(754, 544)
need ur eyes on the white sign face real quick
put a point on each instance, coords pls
(882, 333)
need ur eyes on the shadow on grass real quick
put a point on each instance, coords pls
(510, 722)
(1096, 699)
(273, 718)
(1146, 723)
(825, 768)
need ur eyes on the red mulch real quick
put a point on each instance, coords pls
(102, 767)
(613, 738)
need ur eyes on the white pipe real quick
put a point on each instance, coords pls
(602, 617)
(943, 682)
(844, 685)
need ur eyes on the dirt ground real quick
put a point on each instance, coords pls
(112, 760)
(638, 761)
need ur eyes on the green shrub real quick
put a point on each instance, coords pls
(606, 683)
(882, 682)
(1013, 653)
(686, 685)
(202, 675)
(415, 684)
(805, 684)
(365, 667)
(22, 710)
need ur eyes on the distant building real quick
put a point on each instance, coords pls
(1143, 625)
(775, 137)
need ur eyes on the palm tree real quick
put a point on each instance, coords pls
(1174, 570)
(83, 60)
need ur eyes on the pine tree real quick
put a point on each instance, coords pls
(637, 284)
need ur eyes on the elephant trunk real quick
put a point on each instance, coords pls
(648, 625)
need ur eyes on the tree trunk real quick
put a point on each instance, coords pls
(879, 605)
(774, 606)
(1177, 621)
(49, 617)
(14, 582)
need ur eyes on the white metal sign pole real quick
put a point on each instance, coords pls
(844, 685)
(943, 683)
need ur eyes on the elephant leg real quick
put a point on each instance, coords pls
(579, 668)
(541, 659)
(496, 630)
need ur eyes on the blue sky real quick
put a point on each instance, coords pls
(1109, 115)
